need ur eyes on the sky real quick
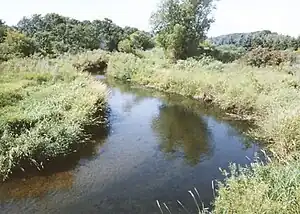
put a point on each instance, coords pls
(231, 15)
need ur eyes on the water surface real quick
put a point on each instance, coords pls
(158, 147)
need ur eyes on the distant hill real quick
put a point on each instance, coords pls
(264, 38)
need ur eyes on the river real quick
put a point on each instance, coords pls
(157, 147)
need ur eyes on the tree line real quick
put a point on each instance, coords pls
(263, 39)
(53, 34)
(178, 26)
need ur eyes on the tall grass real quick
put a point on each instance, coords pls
(45, 106)
(269, 189)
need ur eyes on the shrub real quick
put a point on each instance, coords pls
(136, 41)
(260, 57)
(16, 45)
(91, 61)
(126, 46)
(223, 53)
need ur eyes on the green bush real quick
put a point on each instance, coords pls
(222, 53)
(260, 57)
(136, 41)
(16, 45)
(126, 46)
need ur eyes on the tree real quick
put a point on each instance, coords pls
(264, 39)
(138, 40)
(188, 19)
(16, 44)
(2, 30)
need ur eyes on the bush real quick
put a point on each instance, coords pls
(94, 62)
(222, 53)
(136, 41)
(229, 53)
(16, 45)
(260, 57)
(126, 46)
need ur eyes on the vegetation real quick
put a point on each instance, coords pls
(46, 103)
(181, 25)
(136, 41)
(266, 189)
(262, 57)
(16, 44)
(269, 96)
(264, 39)
(44, 108)
(53, 34)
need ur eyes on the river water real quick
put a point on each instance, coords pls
(157, 147)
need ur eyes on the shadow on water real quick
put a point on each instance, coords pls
(182, 130)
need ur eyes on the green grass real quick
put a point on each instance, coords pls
(268, 96)
(269, 189)
(44, 107)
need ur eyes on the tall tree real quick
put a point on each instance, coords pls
(180, 25)
(2, 30)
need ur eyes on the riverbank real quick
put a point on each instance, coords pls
(45, 107)
(269, 96)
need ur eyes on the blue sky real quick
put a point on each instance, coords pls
(231, 15)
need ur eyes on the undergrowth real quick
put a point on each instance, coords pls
(44, 106)
(271, 189)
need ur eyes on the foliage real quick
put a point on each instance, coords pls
(136, 41)
(44, 107)
(16, 45)
(223, 53)
(92, 62)
(262, 57)
(260, 188)
(55, 34)
(181, 25)
(264, 39)
(2, 30)
(126, 46)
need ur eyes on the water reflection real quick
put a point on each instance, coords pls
(36, 187)
(58, 174)
(182, 130)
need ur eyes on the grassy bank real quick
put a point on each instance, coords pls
(269, 96)
(45, 106)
